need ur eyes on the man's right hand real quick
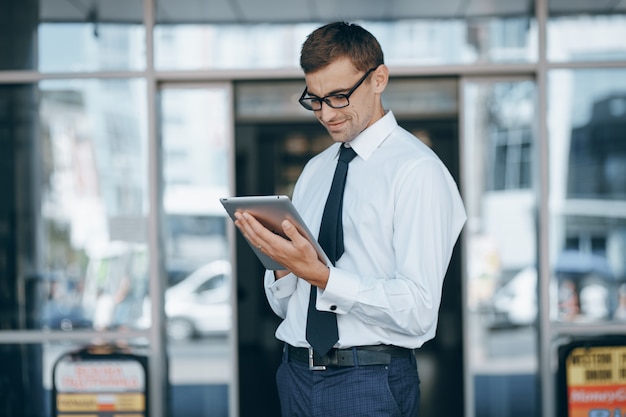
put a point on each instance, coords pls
(296, 253)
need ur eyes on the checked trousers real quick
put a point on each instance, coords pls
(361, 391)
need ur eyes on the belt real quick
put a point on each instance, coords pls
(356, 356)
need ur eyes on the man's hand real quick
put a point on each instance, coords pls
(296, 253)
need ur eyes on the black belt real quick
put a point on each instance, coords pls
(360, 355)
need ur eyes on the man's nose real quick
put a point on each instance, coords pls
(326, 112)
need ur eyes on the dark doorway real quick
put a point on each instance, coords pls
(269, 158)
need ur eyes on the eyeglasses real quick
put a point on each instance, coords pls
(336, 101)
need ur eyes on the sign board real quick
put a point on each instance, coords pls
(99, 385)
(595, 380)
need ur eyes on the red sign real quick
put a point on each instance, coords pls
(596, 381)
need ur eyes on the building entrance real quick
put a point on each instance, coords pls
(269, 158)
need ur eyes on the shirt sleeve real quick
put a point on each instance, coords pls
(279, 291)
(427, 219)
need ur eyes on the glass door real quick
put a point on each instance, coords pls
(499, 165)
(275, 137)
(196, 137)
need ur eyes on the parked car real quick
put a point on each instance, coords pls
(200, 303)
(515, 303)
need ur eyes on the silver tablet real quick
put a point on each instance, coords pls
(270, 211)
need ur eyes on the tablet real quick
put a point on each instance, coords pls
(270, 211)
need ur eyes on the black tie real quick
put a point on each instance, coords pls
(321, 326)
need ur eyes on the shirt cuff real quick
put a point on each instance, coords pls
(283, 287)
(340, 293)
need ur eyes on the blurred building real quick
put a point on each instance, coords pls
(123, 122)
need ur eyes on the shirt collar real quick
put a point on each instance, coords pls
(367, 141)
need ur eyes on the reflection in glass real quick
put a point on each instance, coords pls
(69, 47)
(457, 41)
(84, 35)
(405, 42)
(196, 134)
(94, 204)
(587, 119)
(587, 36)
(501, 235)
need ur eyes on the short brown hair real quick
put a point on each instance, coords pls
(338, 40)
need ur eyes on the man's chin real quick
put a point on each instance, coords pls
(339, 136)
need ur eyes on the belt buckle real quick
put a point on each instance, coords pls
(312, 366)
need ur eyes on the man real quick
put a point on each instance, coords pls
(401, 217)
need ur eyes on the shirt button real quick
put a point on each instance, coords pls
(333, 308)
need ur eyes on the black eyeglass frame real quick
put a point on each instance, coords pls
(326, 99)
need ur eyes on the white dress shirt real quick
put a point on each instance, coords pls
(402, 214)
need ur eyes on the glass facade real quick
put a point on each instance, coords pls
(586, 37)
(91, 47)
(588, 194)
(94, 203)
(500, 184)
(406, 42)
(123, 122)
(195, 133)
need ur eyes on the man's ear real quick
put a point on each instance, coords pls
(380, 78)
